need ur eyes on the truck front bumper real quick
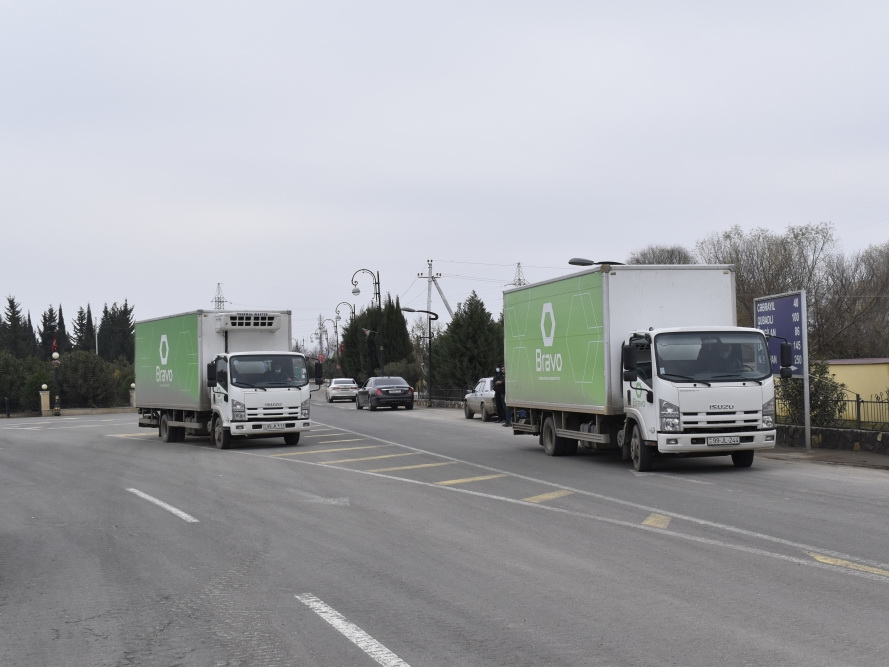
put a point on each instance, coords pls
(714, 443)
(270, 428)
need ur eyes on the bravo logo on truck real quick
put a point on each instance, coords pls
(163, 376)
(548, 362)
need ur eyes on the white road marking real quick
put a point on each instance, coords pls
(182, 515)
(352, 632)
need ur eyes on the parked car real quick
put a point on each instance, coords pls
(385, 391)
(339, 388)
(481, 400)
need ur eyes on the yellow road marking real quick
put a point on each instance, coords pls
(466, 480)
(414, 467)
(326, 451)
(369, 458)
(849, 564)
(552, 495)
(657, 521)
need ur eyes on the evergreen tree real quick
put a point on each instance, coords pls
(48, 332)
(62, 337)
(470, 348)
(16, 334)
(89, 331)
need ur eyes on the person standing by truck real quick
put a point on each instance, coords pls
(500, 394)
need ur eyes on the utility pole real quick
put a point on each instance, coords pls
(433, 278)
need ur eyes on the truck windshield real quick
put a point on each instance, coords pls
(712, 356)
(271, 370)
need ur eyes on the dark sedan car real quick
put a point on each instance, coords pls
(385, 392)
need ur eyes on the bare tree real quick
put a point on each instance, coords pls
(662, 254)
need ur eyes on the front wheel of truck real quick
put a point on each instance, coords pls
(221, 436)
(642, 455)
(743, 459)
(553, 445)
(291, 439)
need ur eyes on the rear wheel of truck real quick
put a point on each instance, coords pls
(743, 459)
(291, 439)
(469, 414)
(643, 457)
(553, 444)
(166, 432)
(221, 437)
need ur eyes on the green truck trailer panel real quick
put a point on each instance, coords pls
(555, 343)
(167, 364)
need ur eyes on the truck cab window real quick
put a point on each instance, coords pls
(222, 373)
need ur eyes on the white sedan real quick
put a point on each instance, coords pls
(340, 388)
(481, 400)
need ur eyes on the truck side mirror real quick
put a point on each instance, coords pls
(629, 352)
(631, 375)
(786, 373)
(786, 355)
(211, 374)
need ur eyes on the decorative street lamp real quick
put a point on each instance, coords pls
(336, 334)
(344, 303)
(432, 316)
(355, 291)
(57, 404)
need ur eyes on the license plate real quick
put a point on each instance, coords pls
(396, 391)
(274, 427)
(724, 440)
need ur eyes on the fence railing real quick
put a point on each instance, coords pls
(855, 413)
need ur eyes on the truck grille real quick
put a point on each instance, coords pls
(720, 421)
(263, 414)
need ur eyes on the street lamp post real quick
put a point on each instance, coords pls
(376, 283)
(336, 334)
(431, 316)
(57, 404)
(344, 303)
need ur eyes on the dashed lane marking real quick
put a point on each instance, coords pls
(657, 521)
(849, 564)
(467, 480)
(367, 458)
(414, 467)
(326, 451)
(552, 495)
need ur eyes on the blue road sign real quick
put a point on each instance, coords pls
(784, 316)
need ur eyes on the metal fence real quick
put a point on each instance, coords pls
(856, 413)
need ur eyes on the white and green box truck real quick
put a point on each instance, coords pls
(645, 359)
(221, 373)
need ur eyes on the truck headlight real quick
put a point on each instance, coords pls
(239, 411)
(304, 409)
(669, 417)
(768, 413)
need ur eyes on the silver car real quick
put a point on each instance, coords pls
(341, 388)
(481, 400)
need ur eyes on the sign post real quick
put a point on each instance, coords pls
(784, 316)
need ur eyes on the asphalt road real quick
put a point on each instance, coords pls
(422, 538)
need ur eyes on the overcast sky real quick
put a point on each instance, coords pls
(151, 150)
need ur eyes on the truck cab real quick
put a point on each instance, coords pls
(258, 394)
(704, 391)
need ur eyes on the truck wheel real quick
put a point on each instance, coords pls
(166, 433)
(553, 445)
(486, 417)
(291, 439)
(743, 459)
(469, 414)
(221, 437)
(623, 444)
(643, 457)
